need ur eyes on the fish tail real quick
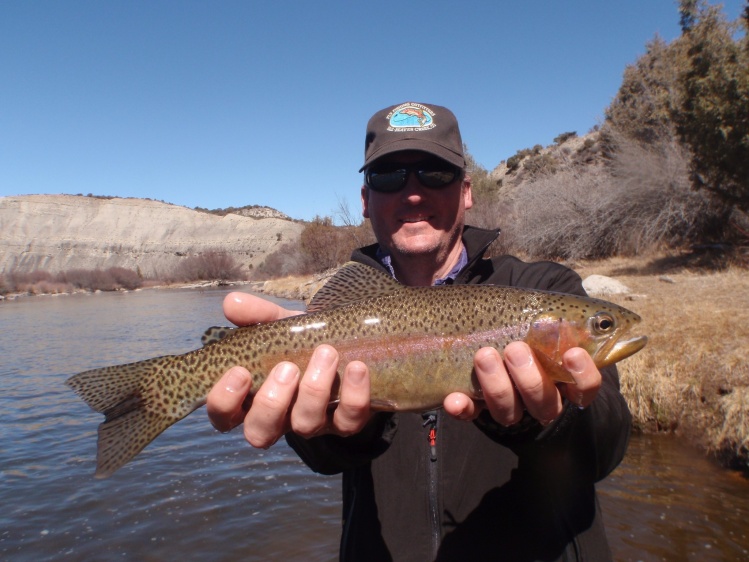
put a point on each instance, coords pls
(137, 406)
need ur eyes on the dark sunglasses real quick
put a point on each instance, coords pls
(392, 177)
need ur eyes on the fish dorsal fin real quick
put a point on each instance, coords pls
(215, 334)
(353, 282)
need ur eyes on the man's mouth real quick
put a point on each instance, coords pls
(419, 218)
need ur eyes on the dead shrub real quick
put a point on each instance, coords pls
(665, 210)
(90, 279)
(285, 261)
(43, 282)
(210, 265)
(489, 213)
(323, 245)
(640, 202)
(25, 282)
(126, 278)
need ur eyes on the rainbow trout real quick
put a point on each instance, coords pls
(418, 343)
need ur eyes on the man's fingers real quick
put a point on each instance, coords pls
(226, 399)
(353, 413)
(310, 414)
(500, 396)
(460, 406)
(538, 392)
(587, 377)
(266, 421)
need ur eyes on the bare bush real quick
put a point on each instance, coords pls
(211, 265)
(126, 278)
(358, 231)
(82, 278)
(89, 279)
(43, 282)
(555, 216)
(664, 208)
(322, 246)
(490, 213)
(642, 201)
(17, 282)
(285, 261)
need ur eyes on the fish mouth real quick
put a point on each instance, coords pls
(623, 349)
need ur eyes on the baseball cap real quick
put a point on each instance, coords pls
(414, 126)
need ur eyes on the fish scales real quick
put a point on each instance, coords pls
(418, 343)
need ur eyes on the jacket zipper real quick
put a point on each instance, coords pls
(430, 421)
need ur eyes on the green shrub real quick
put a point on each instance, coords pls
(713, 116)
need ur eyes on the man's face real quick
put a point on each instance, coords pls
(418, 220)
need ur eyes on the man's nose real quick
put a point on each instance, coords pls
(413, 191)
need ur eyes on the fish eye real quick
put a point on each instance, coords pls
(603, 323)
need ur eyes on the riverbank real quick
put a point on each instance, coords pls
(692, 379)
(67, 291)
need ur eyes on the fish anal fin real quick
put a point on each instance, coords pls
(353, 282)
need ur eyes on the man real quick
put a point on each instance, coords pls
(511, 478)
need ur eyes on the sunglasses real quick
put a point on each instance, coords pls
(392, 177)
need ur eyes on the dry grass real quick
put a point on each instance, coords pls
(299, 287)
(693, 377)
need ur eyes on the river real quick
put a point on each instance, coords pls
(201, 495)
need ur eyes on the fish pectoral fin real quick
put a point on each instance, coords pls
(555, 370)
(215, 334)
(353, 282)
(383, 405)
(374, 404)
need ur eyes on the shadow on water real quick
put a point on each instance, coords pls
(666, 501)
(199, 494)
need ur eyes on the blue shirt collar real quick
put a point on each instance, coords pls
(385, 259)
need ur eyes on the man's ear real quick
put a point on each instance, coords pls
(467, 192)
(365, 201)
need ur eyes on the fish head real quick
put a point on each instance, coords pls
(597, 326)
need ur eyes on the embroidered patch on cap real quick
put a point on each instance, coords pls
(411, 117)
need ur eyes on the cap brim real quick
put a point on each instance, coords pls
(416, 144)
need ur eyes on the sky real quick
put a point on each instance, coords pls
(234, 103)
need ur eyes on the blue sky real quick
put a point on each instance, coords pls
(230, 103)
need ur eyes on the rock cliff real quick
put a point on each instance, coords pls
(63, 232)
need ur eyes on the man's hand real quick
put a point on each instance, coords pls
(284, 402)
(519, 383)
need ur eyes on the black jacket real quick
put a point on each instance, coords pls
(492, 493)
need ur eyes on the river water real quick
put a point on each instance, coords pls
(201, 495)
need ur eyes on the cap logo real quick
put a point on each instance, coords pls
(411, 117)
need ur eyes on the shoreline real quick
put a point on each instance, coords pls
(200, 285)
